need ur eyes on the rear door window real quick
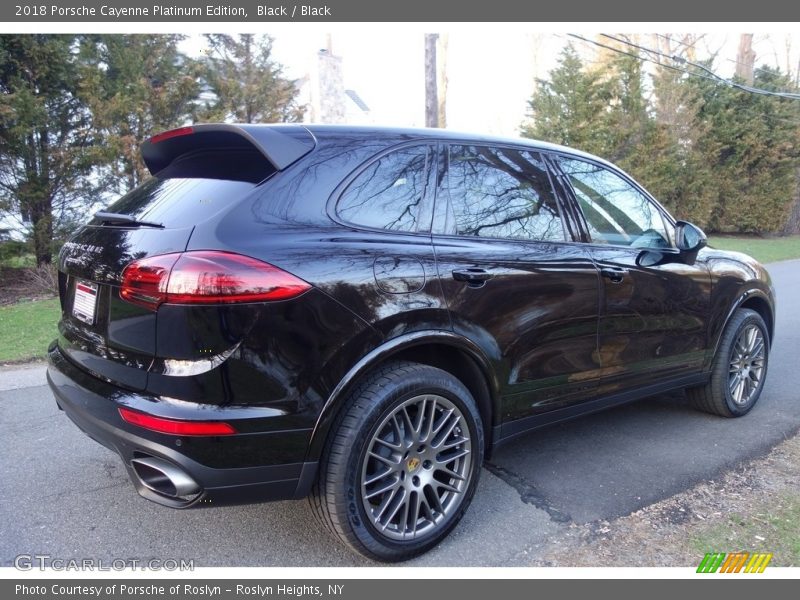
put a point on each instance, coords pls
(500, 193)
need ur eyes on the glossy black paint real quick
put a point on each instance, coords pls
(539, 331)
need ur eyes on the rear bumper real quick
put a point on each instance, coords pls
(93, 406)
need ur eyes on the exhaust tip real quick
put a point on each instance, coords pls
(164, 478)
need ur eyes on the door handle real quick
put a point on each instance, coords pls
(614, 274)
(473, 277)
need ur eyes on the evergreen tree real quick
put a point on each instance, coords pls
(567, 108)
(752, 146)
(135, 86)
(44, 135)
(247, 84)
(722, 157)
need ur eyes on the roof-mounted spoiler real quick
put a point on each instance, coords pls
(280, 145)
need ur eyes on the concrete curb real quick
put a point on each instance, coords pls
(16, 377)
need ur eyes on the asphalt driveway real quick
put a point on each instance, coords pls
(64, 495)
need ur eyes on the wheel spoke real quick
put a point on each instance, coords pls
(396, 509)
(414, 512)
(389, 486)
(383, 459)
(734, 381)
(378, 476)
(447, 487)
(387, 500)
(448, 458)
(740, 389)
(451, 474)
(437, 501)
(758, 348)
(442, 437)
(388, 444)
(431, 419)
(453, 443)
(751, 339)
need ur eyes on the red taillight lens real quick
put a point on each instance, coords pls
(171, 134)
(175, 426)
(144, 282)
(206, 277)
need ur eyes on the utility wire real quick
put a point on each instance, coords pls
(694, 47)
(681, 60)
(715, 79)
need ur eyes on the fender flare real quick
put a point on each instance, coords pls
(384, 352)
(741, 299)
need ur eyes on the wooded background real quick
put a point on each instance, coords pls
(74, 110)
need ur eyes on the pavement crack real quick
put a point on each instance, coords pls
(527, 492)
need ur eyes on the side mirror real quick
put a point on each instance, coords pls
(689, 239)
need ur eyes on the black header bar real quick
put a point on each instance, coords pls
(419, 11)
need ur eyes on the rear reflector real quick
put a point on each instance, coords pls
(206, 277)
(175, 426)
(172, 133)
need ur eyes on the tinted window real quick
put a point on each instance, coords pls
(389, 193)
(179, 202)
(615, 211)
(500, 193)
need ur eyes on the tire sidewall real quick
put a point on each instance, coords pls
(434, 382)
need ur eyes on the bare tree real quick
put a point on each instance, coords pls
(441, 68)
(745, 58)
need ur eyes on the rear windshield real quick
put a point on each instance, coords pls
(195, 186)
(179, 202)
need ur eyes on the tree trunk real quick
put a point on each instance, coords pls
(745, 58)
(431, 95)
(441, 72)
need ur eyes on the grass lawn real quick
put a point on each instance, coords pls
(775, 528)
(27, 328)
(763, 249)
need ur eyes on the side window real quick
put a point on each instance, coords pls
(389, 193)
(615, 211)
(500, 193)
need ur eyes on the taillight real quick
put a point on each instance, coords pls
(206, 277)
(172, 133)
(176, 426)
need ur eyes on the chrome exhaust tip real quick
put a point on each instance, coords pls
(164, 478)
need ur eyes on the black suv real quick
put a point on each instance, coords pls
(360, 315)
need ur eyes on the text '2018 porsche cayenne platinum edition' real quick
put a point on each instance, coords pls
(360, 315)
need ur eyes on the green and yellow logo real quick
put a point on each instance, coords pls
(738, 562)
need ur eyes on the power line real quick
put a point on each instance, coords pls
(640, 57)
(681, 60)
(694, 47)
(716, 79)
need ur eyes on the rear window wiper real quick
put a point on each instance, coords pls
(109, 218)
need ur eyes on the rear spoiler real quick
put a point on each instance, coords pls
(281, 145)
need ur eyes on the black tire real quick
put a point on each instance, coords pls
(339, 496)
(717, 397)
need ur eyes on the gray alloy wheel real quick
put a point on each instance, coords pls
(417, 467)
(739, 368)
(747, 364)
(401, 463)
